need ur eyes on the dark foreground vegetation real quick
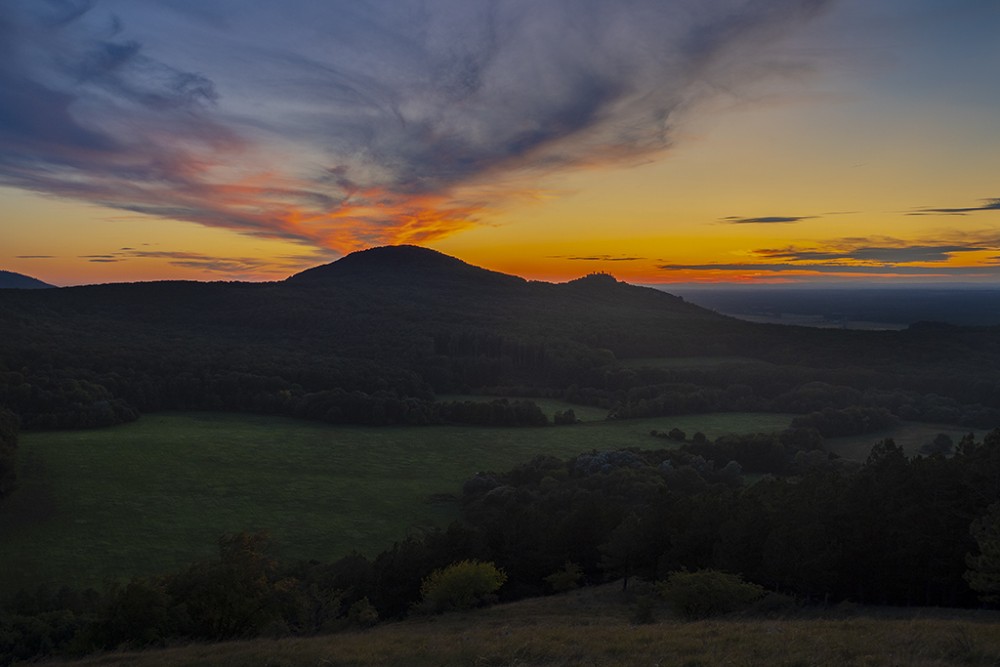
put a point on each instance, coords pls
(374, 338)
(893, 531)
(597, 627)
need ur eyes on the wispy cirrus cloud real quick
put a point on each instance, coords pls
(229, 267)
(767, 220)
(597, 258)
(878, 255)
(839, 269)
(992, 204)
(348, 123)
(861, 256)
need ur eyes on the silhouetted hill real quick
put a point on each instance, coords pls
(11, 280)
(403, 264)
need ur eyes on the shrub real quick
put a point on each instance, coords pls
(705, 593)
(363, 613)
(461, 585)
(565, 579)
(983, 574)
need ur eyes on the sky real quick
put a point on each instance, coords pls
(661, 141)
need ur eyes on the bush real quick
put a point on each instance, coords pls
(363, 613)
(565, 579)
(462, 585)
(705, 593)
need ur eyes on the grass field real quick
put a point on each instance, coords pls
(150, 496)
(591, 627)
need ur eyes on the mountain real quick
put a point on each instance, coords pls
(11, 280)
(402, 264)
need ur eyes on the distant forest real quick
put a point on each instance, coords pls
(863, 306)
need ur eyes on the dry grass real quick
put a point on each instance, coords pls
(590, 628)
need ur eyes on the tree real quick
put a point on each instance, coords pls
(8, 450)
(705, 593)
(983, 574)
(560, 418)
(565, 579)
(236, 595)
(621, 553)
(461, 585)
(941, 445)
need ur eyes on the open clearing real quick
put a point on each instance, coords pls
(156, 494)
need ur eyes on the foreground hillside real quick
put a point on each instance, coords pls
(594, 627)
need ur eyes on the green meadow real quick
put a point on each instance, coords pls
(153, 495)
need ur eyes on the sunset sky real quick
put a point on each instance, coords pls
(661, 141)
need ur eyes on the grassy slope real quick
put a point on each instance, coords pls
(591, 627)
(153, 495)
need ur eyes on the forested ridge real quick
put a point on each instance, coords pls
(373, 337)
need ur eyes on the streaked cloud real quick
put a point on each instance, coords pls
(842, 269)
(231, 268)
(597, 258)
(767, 220)
(355, 122)
(860, 256)
(877, 255)
(987, 205)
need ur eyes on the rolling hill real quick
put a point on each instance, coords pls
(11, 280)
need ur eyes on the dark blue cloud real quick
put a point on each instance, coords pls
(771, 219)
(878, 254)
(987, 205)
(893, 269)
(597, 258)
(859, 257)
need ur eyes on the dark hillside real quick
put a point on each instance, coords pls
(11, 280)
(402, 264)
